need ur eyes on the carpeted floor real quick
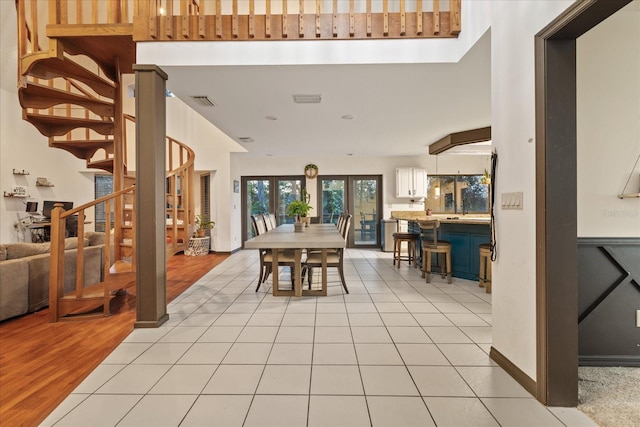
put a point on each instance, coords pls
(610, 396)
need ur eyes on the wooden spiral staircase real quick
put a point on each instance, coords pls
(70, 89)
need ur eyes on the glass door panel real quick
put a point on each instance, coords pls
(365, 217)
(288, 191)
(332, 199)
(258, 201)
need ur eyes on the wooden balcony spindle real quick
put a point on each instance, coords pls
(368, 18)
(111, 11)
(252, 19)
(385, 17)
(33, 9)
(185, 9)
(419, 17)
(202, 21)
(124, 12)
(218, 18)
(301, 19)
(454, 17)
(318, 12)
(79, 12)
(436, 16)
(352, 19)
(153, 18)
(334, 18)
(267, 20)
(403, 19)
(64, 12)
(169, 19)
(234, 19)
(284, 19)
(22, 35)
(94, 11)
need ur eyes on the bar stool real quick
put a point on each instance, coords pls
(431, 245)
(484, 276)
(412, 248)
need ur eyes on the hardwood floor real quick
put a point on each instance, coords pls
(41, 362)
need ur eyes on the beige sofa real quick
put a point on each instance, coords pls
(24, 272)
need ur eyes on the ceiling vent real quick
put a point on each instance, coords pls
(203, 100)
(245, 139)
(307, 99)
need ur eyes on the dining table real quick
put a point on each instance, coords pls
(321, 237)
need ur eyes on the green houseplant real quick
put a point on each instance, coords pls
(202, 224)
(298, 209)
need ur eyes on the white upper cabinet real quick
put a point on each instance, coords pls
(411, 183)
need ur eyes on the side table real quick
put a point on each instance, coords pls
(198, 246)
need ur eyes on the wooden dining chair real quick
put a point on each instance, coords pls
(335, 257)
(285, 257)
(267, 222)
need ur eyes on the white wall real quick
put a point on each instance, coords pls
(23, 147)
(212, 148)
(513, 26)
(609, 126)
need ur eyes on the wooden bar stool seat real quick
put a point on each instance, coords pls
(431, 245)
(412, 248)
(484, 276)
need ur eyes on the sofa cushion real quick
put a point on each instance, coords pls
(72, 243)
(21, 250)
(95, 238)
(3, 252)
(14, 288)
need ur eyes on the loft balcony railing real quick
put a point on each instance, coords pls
(225, 20)
(295, 19)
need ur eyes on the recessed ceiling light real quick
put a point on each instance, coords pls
(307, 99)
(271, 117)
(245, 139)
(347, 117)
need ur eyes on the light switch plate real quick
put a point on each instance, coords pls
(511, 200)
(638, 318)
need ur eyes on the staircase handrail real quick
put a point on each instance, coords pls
(57, 250)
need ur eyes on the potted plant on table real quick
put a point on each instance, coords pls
(298, 209)
(203, 224)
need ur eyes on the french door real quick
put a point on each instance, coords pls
(359, 196)
(268, 194)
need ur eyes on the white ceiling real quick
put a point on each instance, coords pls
(397, 109)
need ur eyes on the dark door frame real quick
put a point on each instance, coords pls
(348, 191)
(556, 205)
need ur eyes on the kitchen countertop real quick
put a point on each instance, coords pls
(479, 219)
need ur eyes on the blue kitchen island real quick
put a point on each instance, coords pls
(465, 233)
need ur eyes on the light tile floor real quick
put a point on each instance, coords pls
(396, 351)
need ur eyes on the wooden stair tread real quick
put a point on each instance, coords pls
(50, 125)
(52, 67)
(101, 42)
(38, 96)
(121, 266)
(88, 292)
(104, 164)
(82, 149)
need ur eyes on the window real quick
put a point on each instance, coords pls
(103, 185)
(457, 194)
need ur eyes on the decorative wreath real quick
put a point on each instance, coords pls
(311, 171)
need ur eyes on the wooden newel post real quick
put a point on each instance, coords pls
(56, 266)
